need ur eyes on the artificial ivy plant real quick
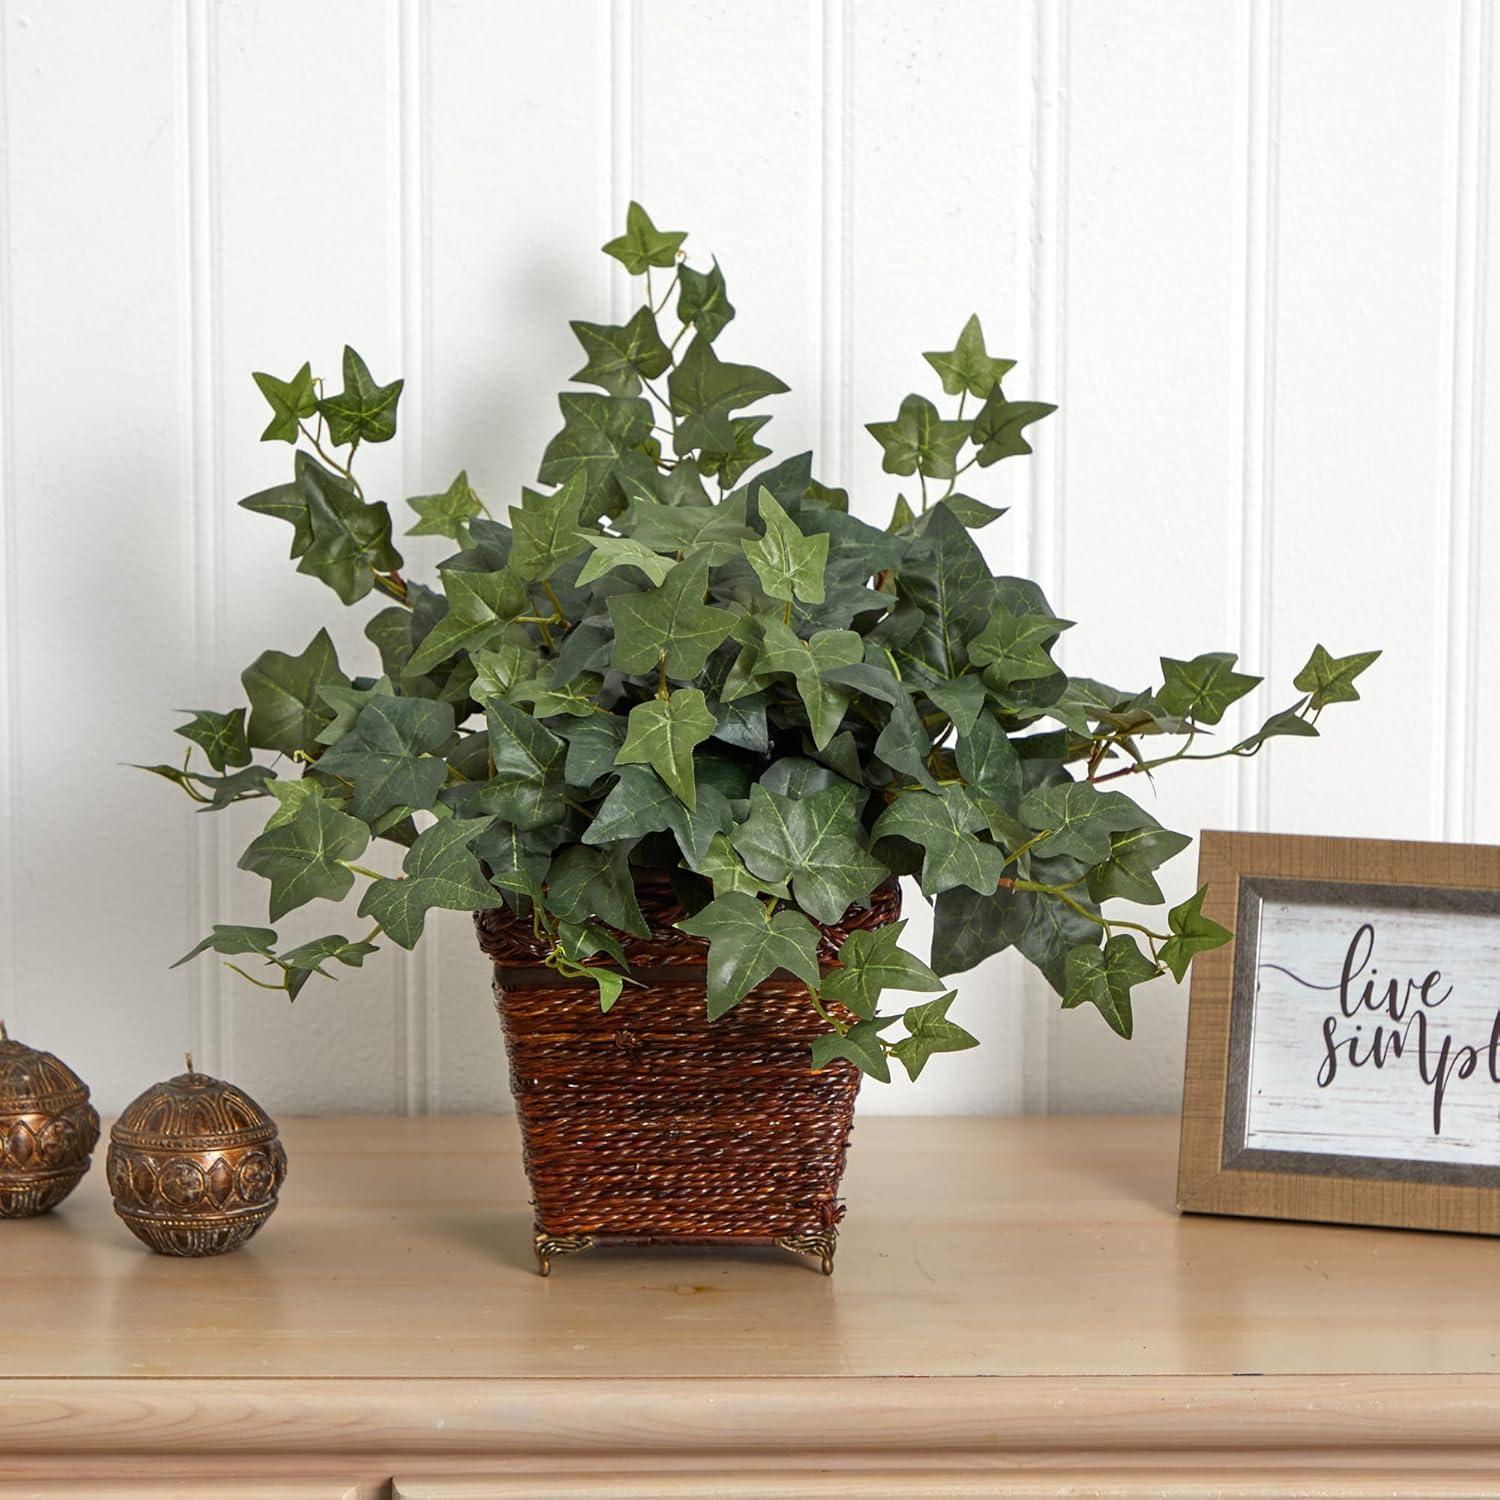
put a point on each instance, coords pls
(675, 657)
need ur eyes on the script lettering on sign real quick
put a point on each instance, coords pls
(1375, 1032)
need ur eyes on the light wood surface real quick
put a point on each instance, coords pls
(1072, 1332)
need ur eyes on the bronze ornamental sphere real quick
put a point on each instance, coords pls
(48, 1129)
(195, 1165)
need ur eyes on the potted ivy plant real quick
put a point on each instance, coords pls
(673, 730)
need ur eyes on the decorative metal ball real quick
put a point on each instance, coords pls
(194, 1166)
(48, 1130)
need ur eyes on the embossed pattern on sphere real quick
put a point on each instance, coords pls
(195, 1165)
(48, 1130)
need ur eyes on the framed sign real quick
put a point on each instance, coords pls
(1343, 1057)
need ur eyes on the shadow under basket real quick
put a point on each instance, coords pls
(653, 1125)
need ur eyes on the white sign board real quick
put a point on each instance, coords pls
(1365, 1031)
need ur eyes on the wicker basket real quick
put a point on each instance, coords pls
(652, 1124)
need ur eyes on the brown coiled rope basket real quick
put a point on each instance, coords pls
(652, 1124)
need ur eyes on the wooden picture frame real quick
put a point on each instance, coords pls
(1236, 1035)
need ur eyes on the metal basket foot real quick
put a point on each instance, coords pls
(548, 1245)
(821, 1245)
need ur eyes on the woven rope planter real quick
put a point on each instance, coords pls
(652, 1124)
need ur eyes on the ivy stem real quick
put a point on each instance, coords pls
(1108, 923)
(347, 470)
(662, 690)
(1027, 846)
(559, 611)
(1182, 754)
(822, 1010)
(953, 483)
(364, 870)
(260, 984)
(666, 296)
(392, 584)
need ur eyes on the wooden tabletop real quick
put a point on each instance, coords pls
(394, 1291)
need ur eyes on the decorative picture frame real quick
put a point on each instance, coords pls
(1343, 1052)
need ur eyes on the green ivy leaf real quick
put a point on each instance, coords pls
(527, 785)
(440, 871)
(449, 513)
(704, 390)
(619, 355)
(929, 1031)
(546, 532)
(589, 882)
(308, 958)
(903, 742)
(1017, 647)
(337, 536)
(919, 441)
(390, 757)
(220, 736)
(1288, 722)
(942, 825)
(807, 663)
(949, 588)
(611, 552)
(1133, 855)
(872, 961)
(671, 621)
(1192, 933)
(347, 703)
(286, 707)
(639, 803)
(480, 605)
(745, 453)
(990, 765)
(522, 854)
(859, 1045)
(1079, 819)
(578, 698)
(304, 859)
(1053, 930)
(290, 795)
(231, 940)
(715, 531)
(290, 401)
(592, 744)
(967, 366)
(1000, 423)
(1203, 688)
(661, 733)
(1105, 977)
(721, 865)
(643, 244)
(598, 433)
(362, 412)
(813, 841)
(746, 944)
(788, 564)
(1330, 679)
(703, 301)
(968, 927)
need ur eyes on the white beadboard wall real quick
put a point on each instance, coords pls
(1246, 244)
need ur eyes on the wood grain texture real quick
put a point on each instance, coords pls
(1204, 1184)
(1070, 1334)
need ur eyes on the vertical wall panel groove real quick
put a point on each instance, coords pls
(625, 24)
(419, 1010)
(208, 1031)
(830, 144)
(1258, 417)
(10, 627)
(1458, 667)
(1046, 326)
